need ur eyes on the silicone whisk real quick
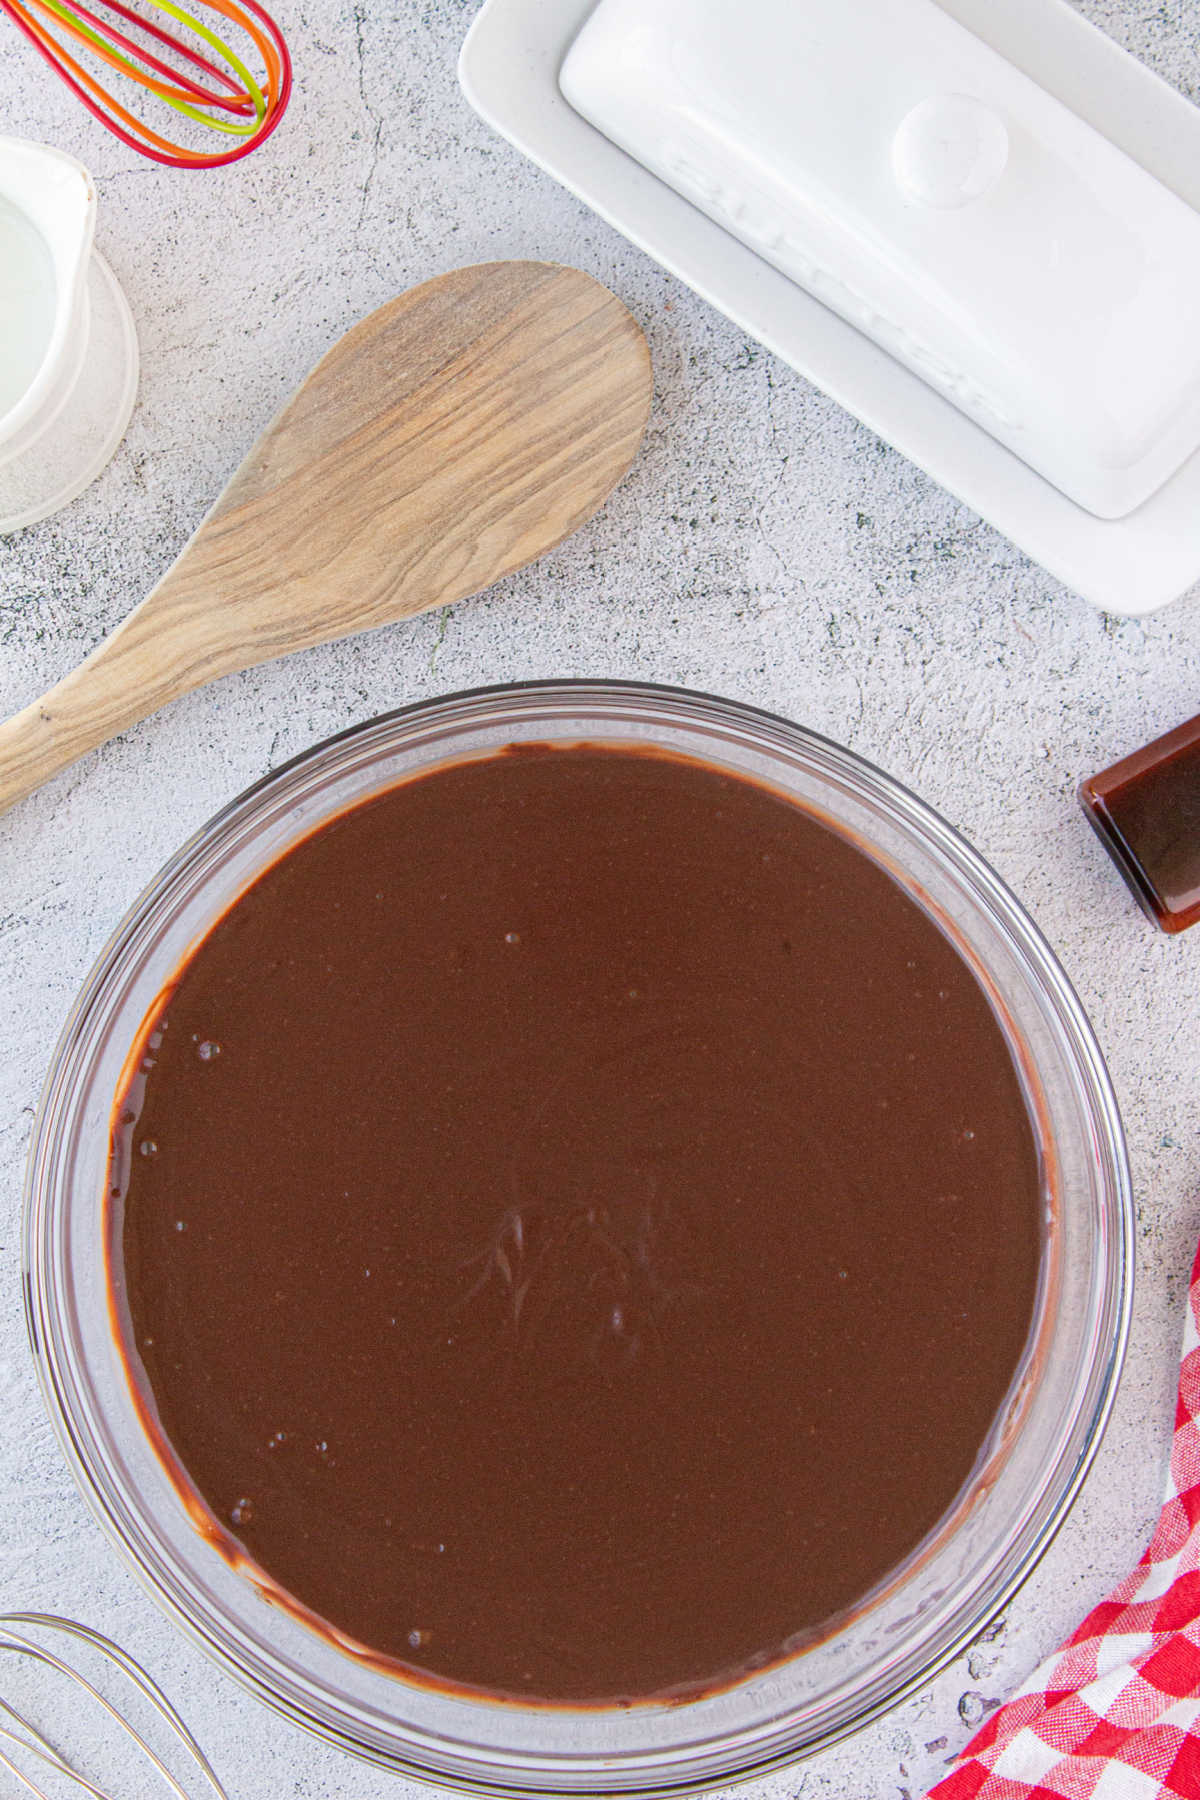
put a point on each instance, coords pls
(206, 81)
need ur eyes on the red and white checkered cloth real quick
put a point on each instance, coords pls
(1115, 1714)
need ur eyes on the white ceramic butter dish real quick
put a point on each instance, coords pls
(918, 183)
(1006, 202)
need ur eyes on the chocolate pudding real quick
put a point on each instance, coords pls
(575, 1221)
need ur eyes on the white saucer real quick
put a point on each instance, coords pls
(81, 441)
(509, 72)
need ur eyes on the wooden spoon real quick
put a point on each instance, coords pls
(450, 438)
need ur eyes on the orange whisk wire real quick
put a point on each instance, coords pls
(180, 88)
(163, 37)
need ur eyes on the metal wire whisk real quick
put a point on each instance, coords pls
(22, 1736)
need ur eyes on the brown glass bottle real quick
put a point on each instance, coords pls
(1146, 811)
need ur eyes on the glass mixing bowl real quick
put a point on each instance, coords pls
(948, 1589)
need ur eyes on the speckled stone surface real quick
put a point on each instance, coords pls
(765, 546)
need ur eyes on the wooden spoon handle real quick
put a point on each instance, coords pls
(449, 438)
(189, 630)
(33, 743)
(130, 675)
(186, 632)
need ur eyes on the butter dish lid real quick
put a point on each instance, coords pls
(896, 166)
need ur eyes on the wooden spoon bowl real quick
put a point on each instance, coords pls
(451, 437)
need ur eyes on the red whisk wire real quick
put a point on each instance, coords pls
(184, 89)
(173, 43)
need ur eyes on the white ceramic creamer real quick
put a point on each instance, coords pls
(68, 352)
(26, 304)
(47, 218)
(937, 198)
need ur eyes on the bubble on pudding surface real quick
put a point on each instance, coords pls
(148, 1147)
(242, 1511)
(418, 1638)
(208, 1050)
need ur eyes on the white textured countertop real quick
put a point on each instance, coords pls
(765, 546)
